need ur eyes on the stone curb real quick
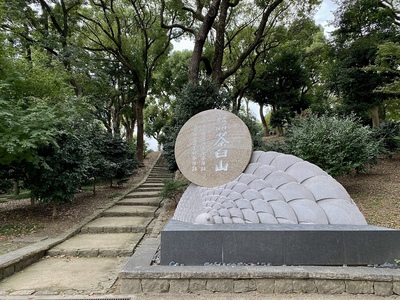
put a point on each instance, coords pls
(21, 258)
(138, 277)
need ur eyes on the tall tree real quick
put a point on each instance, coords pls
(49, 25)
(169, 81)
(280, 86)
(286, 74)
(361, 27)
(130, 31)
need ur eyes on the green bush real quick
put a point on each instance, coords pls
(173, 189)
(110, 157)
(5, 185)
(277, 146)
(255, 130)
(337, 145)
(389, 135)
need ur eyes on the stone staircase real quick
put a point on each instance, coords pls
(119, 229)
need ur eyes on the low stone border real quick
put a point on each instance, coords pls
(138, 276)
(19, 259)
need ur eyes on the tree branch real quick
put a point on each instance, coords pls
(258, 38)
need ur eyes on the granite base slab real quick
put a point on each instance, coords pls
(322, 245)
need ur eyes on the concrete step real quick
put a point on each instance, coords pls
(130, 210)
(93, 245)
(160, 174)
(148, 194)
(155, 201)
(156, 180)
(148, 189)
(161, 168)
(117, 224)
(158, 185)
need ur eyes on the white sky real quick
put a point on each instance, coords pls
(325, 14)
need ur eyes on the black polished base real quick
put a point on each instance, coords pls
(333, 245)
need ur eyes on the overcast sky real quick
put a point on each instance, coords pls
(325, 14)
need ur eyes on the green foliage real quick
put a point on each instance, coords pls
(5, 182)
(170, 135)
(111, 157)
(388, 133)
(24, 130)
(195, 98)
(255, 130)
(281, 117)
(387, 64)
(276, 145)
(63, 167)
(290, 75)
(365, 30)
(5, 185)
(173, 189)
(338, 146)
(32, 97)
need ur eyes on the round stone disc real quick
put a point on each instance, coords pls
(213, 148)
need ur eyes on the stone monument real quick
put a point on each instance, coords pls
(213, 148)
(262, 207)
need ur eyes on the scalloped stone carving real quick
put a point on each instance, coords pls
(275, 188)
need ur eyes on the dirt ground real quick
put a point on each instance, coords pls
(377, 194)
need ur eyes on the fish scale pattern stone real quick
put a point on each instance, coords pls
(275, 188)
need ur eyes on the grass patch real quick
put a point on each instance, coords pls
(376, 202)
(22, 195)
(18, 228)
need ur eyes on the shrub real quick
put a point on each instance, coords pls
(337, 145)
(62, 170)
(111, 157)
(5, 185)
(389, 134)
(275, 145)
(173, 189)
(255, 130)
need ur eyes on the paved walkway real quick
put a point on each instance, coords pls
(87, 263)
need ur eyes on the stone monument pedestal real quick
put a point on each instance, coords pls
(298, 244)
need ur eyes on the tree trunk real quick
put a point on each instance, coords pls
(263, 121)
(16, 187)
(129, 130)
(220, 42)
(375, 116)
(94, 186)
(54, 214)
(140, 129)
(194, 65)
(279, 130)
(116, 119)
